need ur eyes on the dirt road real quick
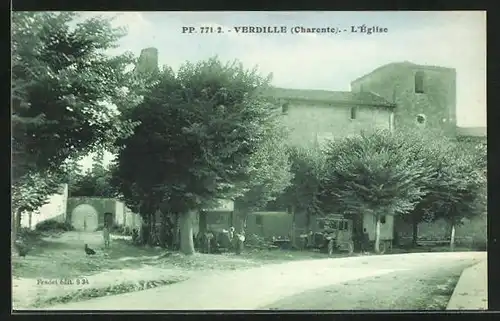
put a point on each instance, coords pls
(258, 288)
(426, 288)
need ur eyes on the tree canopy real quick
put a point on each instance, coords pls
(94, 182)
(307, 170)
(198, 129)
(199, 133)
(270, 170)
(458, 189)
(374, 172)
(63, 83)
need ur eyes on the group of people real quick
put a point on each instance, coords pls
(210, 241)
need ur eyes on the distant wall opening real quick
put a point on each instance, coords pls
(419, 82)
(353, 113)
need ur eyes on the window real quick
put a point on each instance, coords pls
(284, 108)
(419, 82)
(353, 113)
(382, 219)
(421, 119)
(258, 219)
(219, 218)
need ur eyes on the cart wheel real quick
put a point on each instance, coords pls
(350, 247)
(330, 247)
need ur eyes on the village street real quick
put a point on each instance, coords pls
(268, 287)
(211, 177)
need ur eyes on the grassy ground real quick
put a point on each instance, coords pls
(59, 259)
(122, 268)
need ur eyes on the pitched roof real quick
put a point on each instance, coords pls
(363, 98)
(391, 64)
(402, 64)
(471, 131)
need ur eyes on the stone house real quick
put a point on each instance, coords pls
(396, 96)
(315, 115)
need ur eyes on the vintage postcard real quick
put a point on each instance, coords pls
(249, 161)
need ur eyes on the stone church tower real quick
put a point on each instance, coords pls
(425, 96)
(148, 61)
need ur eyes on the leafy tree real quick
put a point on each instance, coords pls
(74, 170)
(29, 194)
(269, 172)
(198, 130)
(302, 194)
(94, 184)
(456, 167)
(458, 190)
(98, 165)
(62, 84)
(374, 173)
(437, 152)
(32, 193)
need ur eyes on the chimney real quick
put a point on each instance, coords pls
(148, 61)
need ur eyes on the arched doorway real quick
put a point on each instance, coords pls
(84, 218)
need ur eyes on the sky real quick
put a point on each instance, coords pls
(455, 39)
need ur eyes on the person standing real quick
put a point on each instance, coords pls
(240, 241)
(105, 235)
(365, 241)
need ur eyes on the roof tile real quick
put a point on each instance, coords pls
(362, 98)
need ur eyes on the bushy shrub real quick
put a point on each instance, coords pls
(117, 228)
(53, 225)
(26, 235)
(127, 231)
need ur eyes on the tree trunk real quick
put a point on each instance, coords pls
(14, 230)
(292, 234)
(153, 233)
(202, 223)
(377, 235)
(18, 220)
(415, 233)
(176, 231)
(242, 218)
(452, 236)
(186, 222)
(162, 237)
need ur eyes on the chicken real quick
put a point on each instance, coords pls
(88, 250)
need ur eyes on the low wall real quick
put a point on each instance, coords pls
(470, 231)
(122, 215)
